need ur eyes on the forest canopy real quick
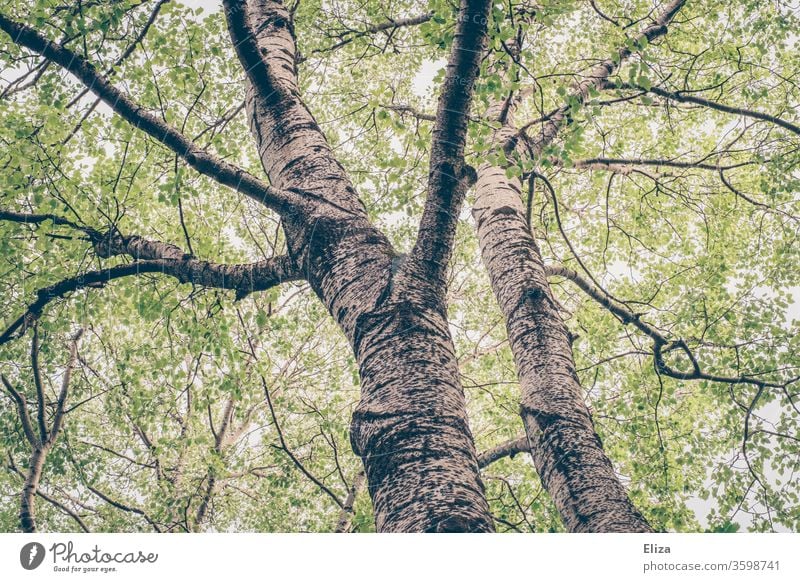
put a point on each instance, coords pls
(346, 265)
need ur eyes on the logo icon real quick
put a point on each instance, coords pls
(31, 555)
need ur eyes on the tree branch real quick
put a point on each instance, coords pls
(682, 97)
(449, 176)
(58, 415)
(27, 218)
(596, 78)
(244, 278)
(123, 507)
(661, 343)
(350, 35)
(507, 449)
(37, 381)
(155, 257)
(245, 42)
(611, 163)
(22, 410)
(201, 160)
(51, 500)
(291, 455)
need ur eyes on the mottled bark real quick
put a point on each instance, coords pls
(566, 450)
(27, 513)
(410, 427)
(449, 176)
(507, 449)
(244, 278)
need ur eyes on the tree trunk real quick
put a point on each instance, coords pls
(410, 427)
(566, 450)
(27, 514)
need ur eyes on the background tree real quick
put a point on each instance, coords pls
(642, 157)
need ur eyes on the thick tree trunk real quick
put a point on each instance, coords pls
(410, 427)
(566, 450)
(27, 513)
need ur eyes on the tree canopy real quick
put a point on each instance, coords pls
(144, 327)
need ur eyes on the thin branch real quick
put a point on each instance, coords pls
(291, 455)
(661, 343)
(58, 416)
(123, 507)
(22, 410)
(126, 53)
(244, 279)
(612, 163)
(35, 219)
(64, 287)
(407, 109)
(595, 80)
(37, 381)
(602, 15)
(507, 449)
(351, 35)
(682, 97)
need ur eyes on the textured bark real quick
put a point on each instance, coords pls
(410, 427)
(507, 449)
(566, 450)
(27, 514)
(449, 176)
(244, 278)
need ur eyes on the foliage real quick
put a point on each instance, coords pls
(706, 253)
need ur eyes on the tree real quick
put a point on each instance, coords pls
(662, 166)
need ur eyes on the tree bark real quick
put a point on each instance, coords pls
(566, 450)
(410, 427)
(27, 514)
